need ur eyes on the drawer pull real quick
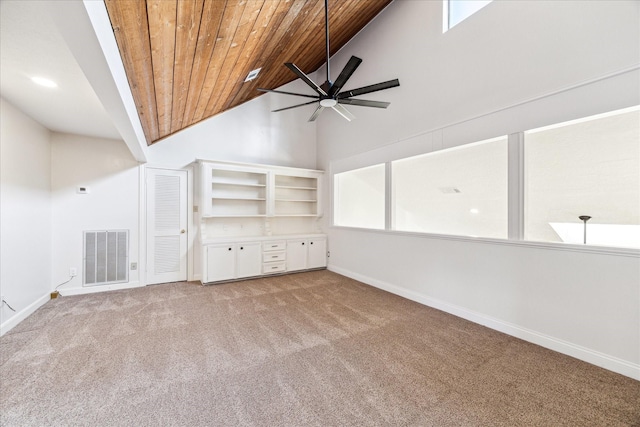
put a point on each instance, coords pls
(274, 256)
(274, 246)
(229, 248)
(274, 268)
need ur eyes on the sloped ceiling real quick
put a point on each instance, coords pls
(186, 60)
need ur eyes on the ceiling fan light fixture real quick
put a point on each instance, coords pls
(328, 103)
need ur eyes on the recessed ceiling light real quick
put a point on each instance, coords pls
(44, 82)
(474, 211)
(253, 74)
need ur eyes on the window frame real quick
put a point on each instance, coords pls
(515, 194)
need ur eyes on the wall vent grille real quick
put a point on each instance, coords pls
(106, 257)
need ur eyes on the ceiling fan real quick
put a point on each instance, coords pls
(330, 94)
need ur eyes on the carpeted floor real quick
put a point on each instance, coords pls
(308, 349)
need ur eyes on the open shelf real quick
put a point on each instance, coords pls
(252, 191)
(233, 216)
(235, 193)
(237, 198)
(295, 195)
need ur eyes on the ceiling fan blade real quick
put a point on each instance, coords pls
(346, 72)
(293, 106)
(365, 103)
(343, 112)
(287, 93)
(369, 89)
(305, 78)
(316, 113)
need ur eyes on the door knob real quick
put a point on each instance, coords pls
(183, 231)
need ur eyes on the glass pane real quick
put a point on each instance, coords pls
(462, 191)
(589, 167)
(359, 199)
(459, 10)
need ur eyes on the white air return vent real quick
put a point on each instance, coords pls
(106, 257)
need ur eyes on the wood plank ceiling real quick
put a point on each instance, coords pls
(186, 60)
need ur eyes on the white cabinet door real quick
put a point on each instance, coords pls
(221, 262)
(296, 255)
(317, 253)
(248, 259)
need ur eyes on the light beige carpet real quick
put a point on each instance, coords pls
(308, 349)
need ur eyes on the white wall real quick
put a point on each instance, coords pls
(112, 175)
(25, 215)
(511, 67)
(249, 133)
(507, 53)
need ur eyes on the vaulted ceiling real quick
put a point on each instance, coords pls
(186, 60)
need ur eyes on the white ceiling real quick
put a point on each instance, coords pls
(31, 45)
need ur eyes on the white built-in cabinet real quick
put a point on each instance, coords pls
(221, 260)
(303, 254)
(233, 261)
(256, 220)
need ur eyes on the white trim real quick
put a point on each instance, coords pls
(191, 234)
(583, 120)
(604, 250)
(593, 357)
(445, 16)
(13, 321)
(389, 195)
(515, 183)
(122, 107)
(103, 288)
(142, 224)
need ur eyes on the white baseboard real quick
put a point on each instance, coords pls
(11, 322)
(602, 360)
(100, 288)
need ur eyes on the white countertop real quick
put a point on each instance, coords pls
(235, 239)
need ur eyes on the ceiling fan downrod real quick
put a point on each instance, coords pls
(326, 32)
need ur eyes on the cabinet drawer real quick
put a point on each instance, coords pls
(273, 267)
(274, 246)
(273, 256)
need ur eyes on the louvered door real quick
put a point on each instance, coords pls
(166, 225)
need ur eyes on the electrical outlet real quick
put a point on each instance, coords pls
(73, 272)
(134, 265)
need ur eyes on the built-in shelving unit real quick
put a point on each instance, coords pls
(235, 193)
(295, 195)
(257, 219)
